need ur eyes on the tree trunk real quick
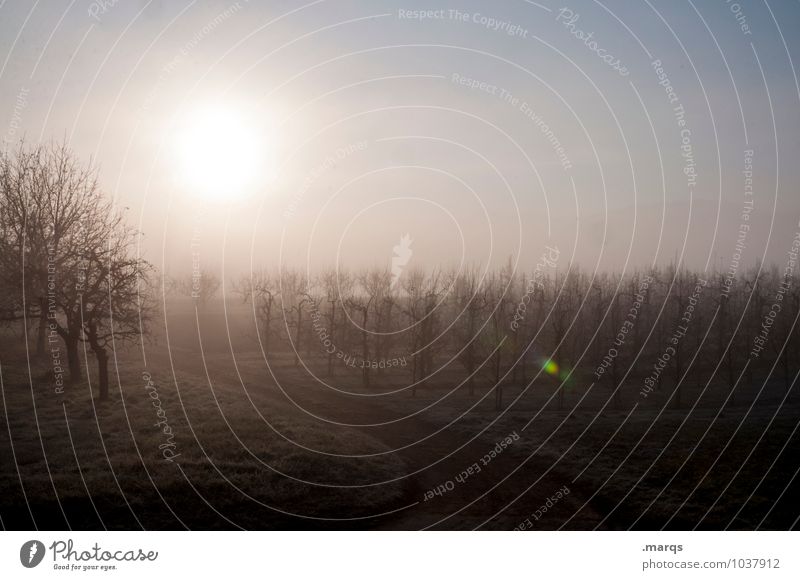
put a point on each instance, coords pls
(678, 374)
(333, 338)
(471, 369)
(42, 330)
(414, 367)
(365, 350)
(266, 322)
(297, 337)
(498, 389)
(73, 359)
(102, 371)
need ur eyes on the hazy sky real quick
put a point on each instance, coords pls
(485, 130)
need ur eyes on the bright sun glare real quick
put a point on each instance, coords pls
(220, 154)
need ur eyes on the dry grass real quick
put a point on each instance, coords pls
(233, 469)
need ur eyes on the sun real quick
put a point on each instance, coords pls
(222, 154)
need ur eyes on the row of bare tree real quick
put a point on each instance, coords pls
(68, 261)
(69, 265)
(644, 330)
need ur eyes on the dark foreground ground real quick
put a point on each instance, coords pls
(273, 447)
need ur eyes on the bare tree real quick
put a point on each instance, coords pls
(423, 294)
(496, 333)
(295, 297)
(371, 287)
(44, 192)
(201, 286)
(114, 292)
(470, 302)
(337, 287)
(261, 289)
(70, 254)
(575, 322)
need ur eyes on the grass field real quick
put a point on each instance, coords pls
(254, 446)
